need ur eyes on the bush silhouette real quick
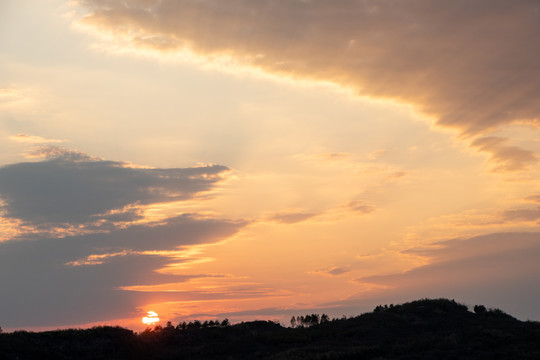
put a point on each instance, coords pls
(479, 309)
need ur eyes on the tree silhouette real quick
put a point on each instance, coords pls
(293, 322)
(324, 318)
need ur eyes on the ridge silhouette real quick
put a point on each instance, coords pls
(421, 329)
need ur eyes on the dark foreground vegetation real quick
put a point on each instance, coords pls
(423, 329)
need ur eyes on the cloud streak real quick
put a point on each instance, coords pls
(32, 139)
(507, 158)
(471, 65)
(291, 217)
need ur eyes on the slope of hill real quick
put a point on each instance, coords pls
(423, 329)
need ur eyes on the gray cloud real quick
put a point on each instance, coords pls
(471, 64)
(75, 188)
(41, 286)
(129, 215)
(478, 246)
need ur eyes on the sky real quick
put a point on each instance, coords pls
(258, 159)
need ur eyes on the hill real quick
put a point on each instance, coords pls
(423, 329)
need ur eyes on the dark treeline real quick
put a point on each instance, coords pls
(422, 329)
(197, 324)
(309, 320)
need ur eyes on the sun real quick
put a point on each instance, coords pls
(151, 318)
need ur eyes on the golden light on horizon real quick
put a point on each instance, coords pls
(151, 318)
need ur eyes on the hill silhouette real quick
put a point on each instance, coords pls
(422, 329)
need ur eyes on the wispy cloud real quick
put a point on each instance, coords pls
(32, 139)
(11, 96)
(534, 198)
(291, 217)
(334, 271)
(507, 158)
(360, 207)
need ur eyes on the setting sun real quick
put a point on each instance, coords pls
(151, 318)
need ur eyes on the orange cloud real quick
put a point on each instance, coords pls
(507, 158)
(291, 217)
(361, 207)
(24, 138)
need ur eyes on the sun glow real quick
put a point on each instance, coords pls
(151, 318)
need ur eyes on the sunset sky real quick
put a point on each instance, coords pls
(257, 159)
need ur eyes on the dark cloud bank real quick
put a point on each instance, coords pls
(75, 188)
(42, 280)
